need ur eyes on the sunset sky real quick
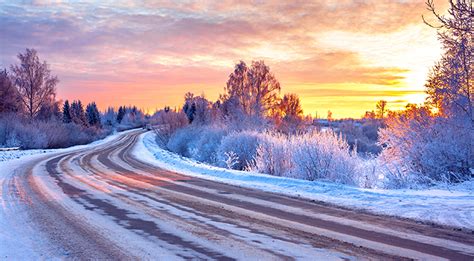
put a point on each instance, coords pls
(341, 56)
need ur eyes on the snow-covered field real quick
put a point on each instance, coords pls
(453, 206)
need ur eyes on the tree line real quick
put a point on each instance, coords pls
(31, 117)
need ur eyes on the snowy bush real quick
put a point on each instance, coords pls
(323, 155)
(243, 145)
(17, 132)
(310, 156)
(180, 140)
(204, 146)
(274, 155)
(369, 173)
(423, 149)
(167, 122)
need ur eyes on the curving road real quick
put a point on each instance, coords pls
(103, 203)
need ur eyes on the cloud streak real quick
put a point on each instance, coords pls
(156, 46)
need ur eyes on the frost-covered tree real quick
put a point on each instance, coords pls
(450, 86)
(438, 145)
(197, 109)
(132, 117)
(255, 90)
(110, 117)
(9, 97)
(67, 112)
(93, 114)
(34, 82)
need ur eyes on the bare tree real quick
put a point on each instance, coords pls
(292, 114)
(264, 88)
(34, 82)
(330, 116)
(381, 108)
(238, 87)
(290, 105)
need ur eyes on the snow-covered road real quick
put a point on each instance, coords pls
(111, 201)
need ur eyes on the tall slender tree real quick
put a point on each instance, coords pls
(120, 114)
(381, 109)
(67, 112)
(34, 82)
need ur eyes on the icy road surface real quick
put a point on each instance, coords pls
(106, 201)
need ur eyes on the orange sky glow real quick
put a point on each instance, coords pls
(341, 56)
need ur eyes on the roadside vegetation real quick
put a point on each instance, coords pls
(32, 118)
(253, 127)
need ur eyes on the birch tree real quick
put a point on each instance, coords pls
(34, 82)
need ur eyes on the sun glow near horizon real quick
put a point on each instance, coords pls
(338, 56)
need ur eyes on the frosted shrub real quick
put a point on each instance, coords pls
(12, 141)
(180, 140)
(27, 137)
(231, 159)
(421, 149)
(369, 173)
(171, 120)
(323, 156)
(310, 156)
(273, 155)
(204, 147)
(15, 131)
(243, 145)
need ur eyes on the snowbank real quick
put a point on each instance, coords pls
(452, 207)
(8, 155)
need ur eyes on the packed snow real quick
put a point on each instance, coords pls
(17, 236)
(452, 206)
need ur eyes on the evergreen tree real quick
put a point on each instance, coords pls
(67, 112)
(120, 114)
(92, 114)
(77, 113)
